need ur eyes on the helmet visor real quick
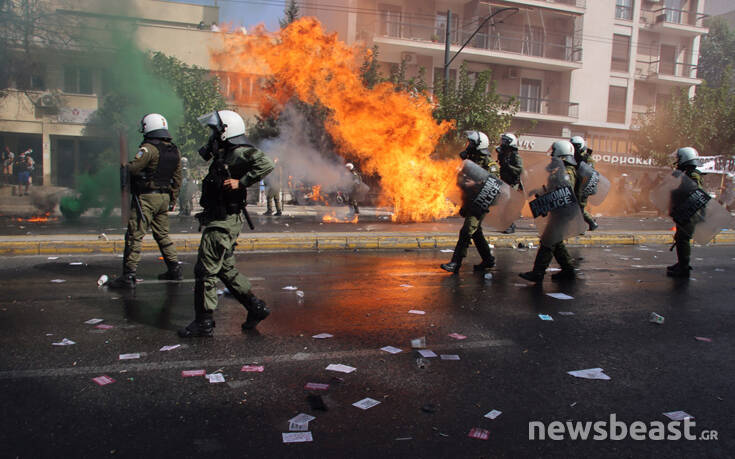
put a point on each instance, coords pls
(212, 120)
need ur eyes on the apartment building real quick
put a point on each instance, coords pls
(576, 67)
(49, 110)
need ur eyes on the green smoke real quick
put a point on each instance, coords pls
(99, 190)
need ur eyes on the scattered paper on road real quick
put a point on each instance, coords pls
(58, 281)
(493, 414)
(76, 263)
(316, 386)
(391, 349)
(53, 258)
(290, 287)
(302, 418)
(520, 285)
(417, 311)
(590, 373)
(366, 403)
(566, 313)
(678, 415)
(253, 368)
(480, 434)
(94, 321)
(702, 338)
(426, 353)
(300, 293)
(341, 368)
(560, 296)
(192, 373)
(323, 336)
(457, 336)
(418, 343)
(215, 378)
(170, 348)
(447, 251)
(104, 327)
(553, 270)
(449, 357)
(103, 380)
(297, 437)
(298, 427)
(545, 317)
(64, 342)
(135, 355)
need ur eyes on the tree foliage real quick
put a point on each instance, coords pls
(705, 122)
(291, 13)
(717, 52)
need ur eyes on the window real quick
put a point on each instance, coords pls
(674, 10)
(530, 97)
(77, 79)
(32, 79)
(616, 104)
(390, 20)
(620, 53)
(624, 9)
(533, 41)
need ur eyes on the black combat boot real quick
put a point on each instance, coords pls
(533, 276)
(681, 271)
(673, 267)
(511, 229)
(278, 213)
(125, 281)
(565, 274)
(267, 212)
(257, 311)
(203, 325)
(485, 265)
(592, 225)
(453, 266)
(174, 273)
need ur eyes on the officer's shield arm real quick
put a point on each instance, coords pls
(259, 164)
(124, 178)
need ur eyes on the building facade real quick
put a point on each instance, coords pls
(48, 107)
(576, 67)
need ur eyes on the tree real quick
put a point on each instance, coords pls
(474, 105)
(705, 122)
(717, 52)
(291, 13)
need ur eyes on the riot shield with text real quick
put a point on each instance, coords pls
(593, 185)
(553, 203)
(481, 190)
(685, 202)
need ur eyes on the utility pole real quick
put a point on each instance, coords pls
(447, 45)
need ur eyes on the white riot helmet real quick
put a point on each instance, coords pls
(563, 150)
(478, 139)
(228, 125)
(579, 144)
(154, 125)
(509, 140)
(687, 156)
(350, 166)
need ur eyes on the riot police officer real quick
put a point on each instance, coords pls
(511, 166)
(236, 165)
(477, 152)
(563, 150)
(584, 154)
(155, 180)
(687, 161)
(355, 188)
(273, 191)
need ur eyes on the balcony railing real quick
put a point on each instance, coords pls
(673, 16)
(577, 3)
(624, 12)
(508, 39)
(667, 68)
(545, 106)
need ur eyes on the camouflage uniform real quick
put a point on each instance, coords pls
(472, 228)
(154, 197)
(684, 232)
(273, 191)
(222, 220)
(586, 156)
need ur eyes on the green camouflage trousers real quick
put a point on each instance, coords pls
(155, 213)
(545, 254)
(472, 230)
(216, 260)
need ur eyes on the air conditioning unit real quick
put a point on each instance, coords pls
(513, 73)
(47, 100)
(409, 58)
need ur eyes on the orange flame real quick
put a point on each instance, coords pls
(37, 219)
(332, 218)
(392, 133)
(316, 195)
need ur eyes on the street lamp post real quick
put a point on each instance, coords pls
(447, 60)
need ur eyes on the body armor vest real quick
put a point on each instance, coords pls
(168, 161)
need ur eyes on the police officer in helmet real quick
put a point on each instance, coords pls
(584, 154)
(235, 165)
(477, 152)
(155, 181)
(563, 150)
(511, 166)
(687, 161)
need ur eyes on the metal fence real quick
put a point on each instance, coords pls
(546, 106)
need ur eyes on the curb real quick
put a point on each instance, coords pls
(308, 242)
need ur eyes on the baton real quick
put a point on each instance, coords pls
(247, 217)
(140, 209)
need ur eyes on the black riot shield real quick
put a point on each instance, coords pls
(553, 203)
(594, 185)
(685, 202)
(480, 191)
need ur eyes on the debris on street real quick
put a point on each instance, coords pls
(545, 317)
(103, 380)
(493, 414)
(64, 342)
(391, 349)
(366, 403)
(656, 319)
(590, 373)
(341, 368)
(323, 336)
(94, 321)
(297, 437)
(560, 296)
(678, 415)
(480, 434)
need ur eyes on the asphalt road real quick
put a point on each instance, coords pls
(511, 360)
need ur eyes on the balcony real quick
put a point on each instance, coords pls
(624, 12)
(679, 22)
(569, 6)
(508, 45)
(667, 72)
(545, 109)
